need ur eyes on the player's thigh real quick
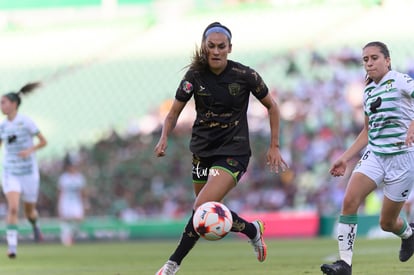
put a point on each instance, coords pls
(359, 186)
(216, 188)
(368, 174)
(223, 174)
(11, 183)
(12, 188)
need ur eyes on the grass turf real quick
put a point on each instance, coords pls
(229, 256)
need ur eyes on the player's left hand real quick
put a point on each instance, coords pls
(275, 160)
(25, 153)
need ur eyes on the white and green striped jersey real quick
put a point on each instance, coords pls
(389, 106)
(17, 135)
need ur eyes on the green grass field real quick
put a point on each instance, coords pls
(285, 257)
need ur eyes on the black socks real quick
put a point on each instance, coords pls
(243, 226)
(190, 236)
(187, 242)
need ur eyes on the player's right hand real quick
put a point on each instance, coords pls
(338, 168)
(160, 148)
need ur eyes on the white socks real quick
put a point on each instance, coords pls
(66, 233)
(406, 232)
(12, 235)
(346, 239)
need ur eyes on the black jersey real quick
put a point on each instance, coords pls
(221, 102)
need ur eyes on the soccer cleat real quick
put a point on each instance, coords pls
(169, 268)
(11, 255)
(12, 252)
(38, 236)
(337, 268)
(258, 243)
(407, 246)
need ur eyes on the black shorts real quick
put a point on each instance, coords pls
(203, 167)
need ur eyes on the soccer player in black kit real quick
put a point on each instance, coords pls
(220, 134)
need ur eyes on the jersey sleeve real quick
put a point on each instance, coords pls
(407, 84)
(31, 125)
(257, 85)
(186, 88)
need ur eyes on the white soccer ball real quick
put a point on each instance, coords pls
(212, 220)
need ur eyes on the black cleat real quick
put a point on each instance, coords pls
(337, 268)
(11, 255)
(407, 246)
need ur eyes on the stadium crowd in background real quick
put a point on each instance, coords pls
(321, 115)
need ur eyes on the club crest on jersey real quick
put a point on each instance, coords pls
(187, 87)
(388, 86)
(234, 89)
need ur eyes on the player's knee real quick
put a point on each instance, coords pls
(350, 204)
(198, 201)
(13, 211)
(196, 205)
(387, 225)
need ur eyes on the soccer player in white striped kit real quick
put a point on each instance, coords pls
(388, 136)
(20, 175)
(71, 200)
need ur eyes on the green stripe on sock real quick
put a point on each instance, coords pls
(12, 226)
(405, 225)
(348, 219)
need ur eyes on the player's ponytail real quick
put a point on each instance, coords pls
(29, 87)
(199, 59)
(26, 89)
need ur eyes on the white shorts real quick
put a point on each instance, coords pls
(396, 173)
(27, 185)
(69, 210)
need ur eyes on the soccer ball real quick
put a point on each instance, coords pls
(212, 220)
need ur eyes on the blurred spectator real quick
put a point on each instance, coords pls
(71, 199)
